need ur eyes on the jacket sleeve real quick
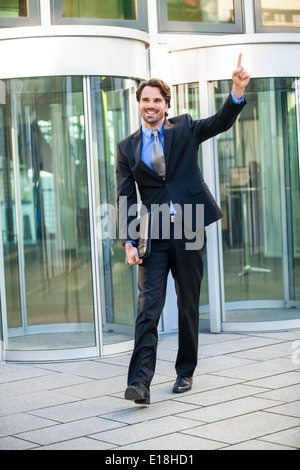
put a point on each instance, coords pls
(223, 120)
(126, 198)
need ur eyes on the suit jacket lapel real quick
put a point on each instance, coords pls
(137, 145)
(168, 133)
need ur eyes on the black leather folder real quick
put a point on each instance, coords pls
(145, 228)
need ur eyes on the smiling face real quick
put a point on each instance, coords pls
(152, 107)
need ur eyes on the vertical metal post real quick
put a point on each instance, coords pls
(3, 316)
(92, 213)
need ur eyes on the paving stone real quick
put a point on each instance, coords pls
(288, 409)
(258, 370)
(218, 364)
(177, 442)
(289, 437)
(229, 409)
(13, 443)
(144, 431)
(89, 369)
(32, 401)
(96, 388)
(138, 414)
(245, 427)
(277, 381)
(21, 422)
(283, 349)
(41, 383)
(82, 409)
(238, 347)
(68, 431)
(221, 395)
(79, 444)
(257, 444)
(284, 394)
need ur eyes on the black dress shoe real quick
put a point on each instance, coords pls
(139, 393)
(183, 384)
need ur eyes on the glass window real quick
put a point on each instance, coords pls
(199, 11)
(186, 100)
(112, 9)
(272, 15)
(200, 15)
(45, 214)
(14, 8)
(19, 13)
(114, 117)
(126, 13)
(259, 187)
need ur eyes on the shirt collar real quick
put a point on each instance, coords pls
(148, 132)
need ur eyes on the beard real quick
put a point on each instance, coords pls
(153, 117)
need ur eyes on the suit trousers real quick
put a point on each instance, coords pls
(187, 270)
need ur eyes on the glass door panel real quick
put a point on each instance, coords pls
(186, 98)
(114, 116)
(52, 214)
(259, 191)
(291, 111)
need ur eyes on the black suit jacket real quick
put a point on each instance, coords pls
(184, 183)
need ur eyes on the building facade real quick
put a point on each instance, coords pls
(69, 72)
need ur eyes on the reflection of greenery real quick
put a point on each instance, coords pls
(112, 9)
(204, 11)
(13, 8)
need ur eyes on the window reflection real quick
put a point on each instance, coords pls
(13, 8)
(201, 11)
(279, 13)
(112, 9)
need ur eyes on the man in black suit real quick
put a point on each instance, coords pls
(165, 169)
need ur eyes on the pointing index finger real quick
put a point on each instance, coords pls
(239, 59)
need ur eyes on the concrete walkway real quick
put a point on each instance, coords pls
(245, 396)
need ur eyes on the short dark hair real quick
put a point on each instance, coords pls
(155, 83)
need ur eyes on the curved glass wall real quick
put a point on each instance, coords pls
(45, 215)
(259, 187)
(57, 176)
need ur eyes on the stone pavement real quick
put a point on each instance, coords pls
(245, 396)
